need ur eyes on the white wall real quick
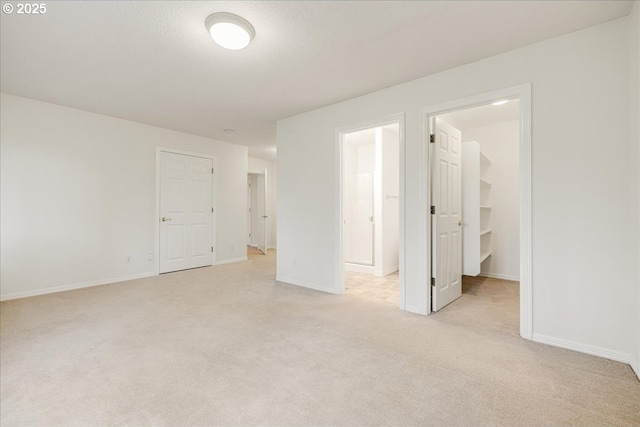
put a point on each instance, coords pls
(256, 165)
(585, 276)
(500, 143)
(79, 196)
(634, 122)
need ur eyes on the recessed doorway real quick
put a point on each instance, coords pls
(371, 211)
(483, 210)
(479, 185)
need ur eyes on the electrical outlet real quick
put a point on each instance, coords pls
(232, 247)
(129, 259)
(150, 256)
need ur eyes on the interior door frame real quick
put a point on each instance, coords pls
(339, 246)
(266, 228)
(213, 201)
(523, 93)
(267, 207)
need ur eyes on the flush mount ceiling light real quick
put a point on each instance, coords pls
(229, 31)
(500, 102)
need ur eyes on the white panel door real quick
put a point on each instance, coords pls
(358, 225)
(446, 196)
(186, 217)
(249, 213)
(262, 212)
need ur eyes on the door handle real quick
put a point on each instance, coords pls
(165, 219)
(460, 223)
(264, 216)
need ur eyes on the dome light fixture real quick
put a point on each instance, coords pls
(229, 31)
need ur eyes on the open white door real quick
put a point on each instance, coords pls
(262, 212)
(446, 220)
(358, 219)
(186, 217)
(249, 212)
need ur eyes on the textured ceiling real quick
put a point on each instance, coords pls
(154, 62)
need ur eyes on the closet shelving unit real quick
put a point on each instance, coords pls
(476, 208)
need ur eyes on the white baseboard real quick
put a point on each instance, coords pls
(231, 261)
(583, 348)
(500, 276)
(388, 271)
(367, 269)
(52, 290)
(313, 286)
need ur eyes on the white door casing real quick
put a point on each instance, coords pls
(446, 197)
(186, 211)
(339, 212)
(523, 93)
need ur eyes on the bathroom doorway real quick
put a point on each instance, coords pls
(371, 211)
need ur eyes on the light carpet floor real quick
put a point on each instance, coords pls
(226, 345)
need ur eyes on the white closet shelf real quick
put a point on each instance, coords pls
(476, 209)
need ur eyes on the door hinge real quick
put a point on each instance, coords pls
(433, 281)
(211, 248)
(433, 210)
(432, 138)
(212, 170)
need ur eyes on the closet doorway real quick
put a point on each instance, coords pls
(370, 184)
(480, 207)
